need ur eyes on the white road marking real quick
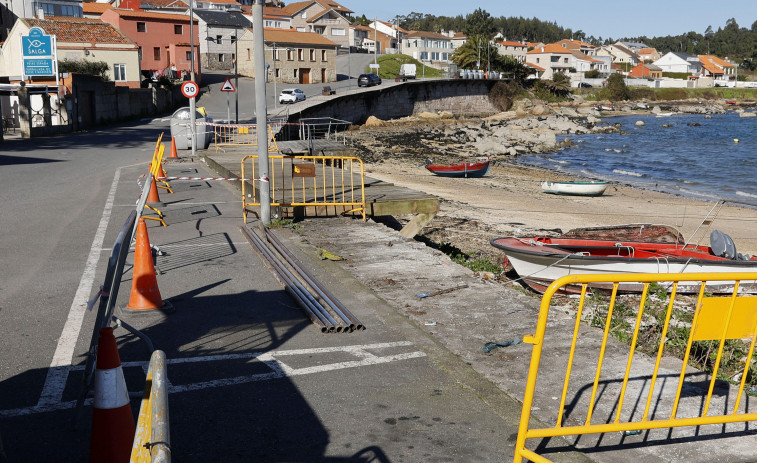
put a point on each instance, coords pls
(271, 359)
(55, 382)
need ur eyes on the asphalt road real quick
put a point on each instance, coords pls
(222, 106)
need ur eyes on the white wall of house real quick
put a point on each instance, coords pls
(673, 63)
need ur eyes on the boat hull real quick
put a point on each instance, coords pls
(466, 170)
(538, 268)
(575, 188)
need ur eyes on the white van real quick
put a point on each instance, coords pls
(407, 71)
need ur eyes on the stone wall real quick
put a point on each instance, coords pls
(455, 95)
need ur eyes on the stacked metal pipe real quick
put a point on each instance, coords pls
(319, 304)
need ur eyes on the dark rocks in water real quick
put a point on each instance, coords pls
(667, 125)
(617, 124)
(694, 124)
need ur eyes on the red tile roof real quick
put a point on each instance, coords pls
(550, 48)
(79, 30)
(92, 7)
(715, 60)
(167, 3)
(294, 37)
(295, 7)
(334, 6)
(150, 15)
(511, 43)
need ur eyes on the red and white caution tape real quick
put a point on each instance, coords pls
(227, 179)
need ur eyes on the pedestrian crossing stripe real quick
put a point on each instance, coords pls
(364, 355)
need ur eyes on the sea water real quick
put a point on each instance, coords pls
(704, 161)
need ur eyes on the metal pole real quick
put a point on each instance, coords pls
(261, 111)
(375, 41)
(236, 75)
(192, 102)
(275, 92)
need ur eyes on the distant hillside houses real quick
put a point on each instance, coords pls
(160, 30)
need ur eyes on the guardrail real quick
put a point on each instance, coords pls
(595, 397)
(308, 181)
(240, 134)
(108, 296)
(152, 439)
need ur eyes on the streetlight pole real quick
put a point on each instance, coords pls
(236, 74)
(261, 111)
(192, 117)
(375, 41)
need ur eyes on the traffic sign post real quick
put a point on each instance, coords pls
(228, 87)
(190, 89)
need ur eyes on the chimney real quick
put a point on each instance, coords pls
(40, 13)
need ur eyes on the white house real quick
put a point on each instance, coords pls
(679, 62)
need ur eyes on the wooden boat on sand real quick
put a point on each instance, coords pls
(575, 188)
(466, 169)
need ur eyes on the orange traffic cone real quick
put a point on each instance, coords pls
(153, 196)
(173, 154)
(112, 419)
(145, 294)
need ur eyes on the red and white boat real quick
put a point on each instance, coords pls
(466, 169)
(541, 260)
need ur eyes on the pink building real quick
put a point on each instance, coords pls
(163, 39)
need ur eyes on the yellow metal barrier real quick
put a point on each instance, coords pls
(596, 390)
(308, 181)
(237, 134)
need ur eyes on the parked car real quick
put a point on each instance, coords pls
(584, 85)
(368, 80)
(291, 95)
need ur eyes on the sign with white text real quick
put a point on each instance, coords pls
(37, 43)
(38, 53)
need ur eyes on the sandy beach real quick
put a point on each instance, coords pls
(510, 201)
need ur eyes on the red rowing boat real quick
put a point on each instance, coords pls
(466, 169)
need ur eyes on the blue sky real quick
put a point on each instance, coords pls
(601, 19)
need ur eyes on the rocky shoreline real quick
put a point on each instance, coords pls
(531, 126)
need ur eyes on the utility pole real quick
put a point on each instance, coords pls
(192, 102)
(261, 111)
(236, 73)
(375, 42)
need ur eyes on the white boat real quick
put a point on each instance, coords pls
(592, 188)
(541, 260)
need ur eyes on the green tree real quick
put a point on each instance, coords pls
(468, 55)
(617, 88)
(95, 68)
(479, 23)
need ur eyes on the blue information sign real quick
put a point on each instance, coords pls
(38, 66)
(37, 43)
(37, 53)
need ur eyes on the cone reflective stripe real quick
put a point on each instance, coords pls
(173, 153)
(112, 419)
(145, 294)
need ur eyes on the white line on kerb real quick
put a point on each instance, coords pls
(55, 381)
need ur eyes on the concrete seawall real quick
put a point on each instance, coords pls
(412, 97)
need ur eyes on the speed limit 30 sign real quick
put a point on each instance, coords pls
(190, 89)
